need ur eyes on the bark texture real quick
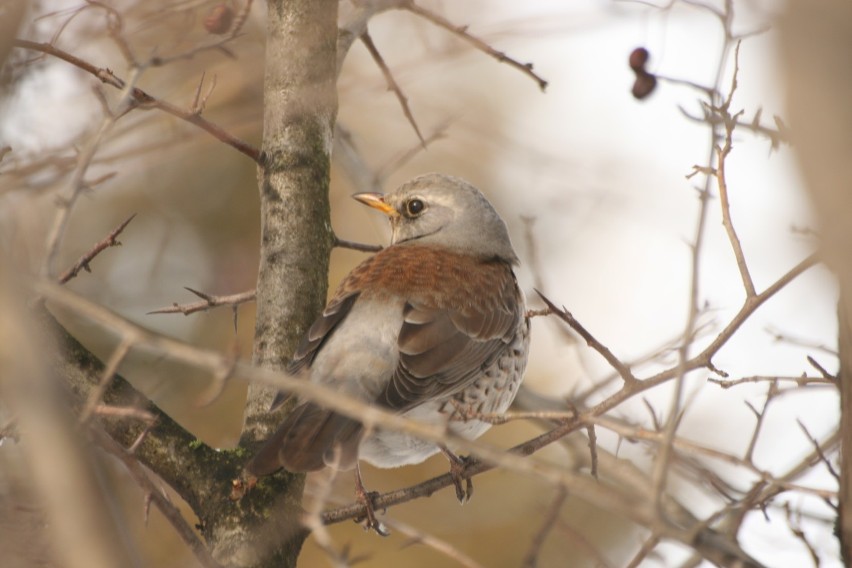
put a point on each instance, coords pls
(300, 107)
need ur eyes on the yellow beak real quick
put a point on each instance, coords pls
(376, 201)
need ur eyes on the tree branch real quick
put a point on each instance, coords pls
(142, 99)
(83, 263)
(392, 84)
(461, 31)
(208, 301)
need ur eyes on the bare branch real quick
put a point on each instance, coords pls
(771, 392)
(77, 184)
(825, 374)
(461, 31)
(392, 84)
(83, 263)
(615, 362)
(342, 243)
(142, 99)
(800, 381)
(819, 450)
(208, 301)
(723, 152)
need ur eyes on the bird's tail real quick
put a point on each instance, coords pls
(307, 441)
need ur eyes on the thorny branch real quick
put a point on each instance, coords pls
(461, 31)
(111, 240)
(392, 84)
(723, 152)
(77, 183)
(615, 362)
(207, 302)
(141, 99)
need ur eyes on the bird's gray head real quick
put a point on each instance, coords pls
(445, 211)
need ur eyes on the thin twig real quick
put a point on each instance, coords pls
(771, 393)
(825, 374)
(593, 450)
(142, 99)
(818, 450)
(800, 381)
(314, 505)
(723, 152)
(794, 522)
(657, 438)
(83, 263)
(785, 337)
(343, 243)
(461, 31)
(208, 301)
(442, 546)
(566, 316)
(392, 84)
(77, 183)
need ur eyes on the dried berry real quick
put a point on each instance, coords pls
(638, 59)
(644, 84)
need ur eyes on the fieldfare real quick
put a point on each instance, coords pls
(432, 327)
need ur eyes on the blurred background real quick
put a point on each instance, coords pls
(592, 182)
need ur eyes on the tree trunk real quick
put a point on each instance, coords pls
(300, 109)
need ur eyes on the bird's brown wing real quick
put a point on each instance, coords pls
(446, 342)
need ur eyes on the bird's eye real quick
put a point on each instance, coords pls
(414, 207)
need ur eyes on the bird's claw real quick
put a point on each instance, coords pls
(368, 499)
(458, 466)
(369, 518)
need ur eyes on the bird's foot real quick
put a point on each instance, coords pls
(458, 467)
(367, 498)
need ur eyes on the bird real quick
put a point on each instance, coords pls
(432, 327)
